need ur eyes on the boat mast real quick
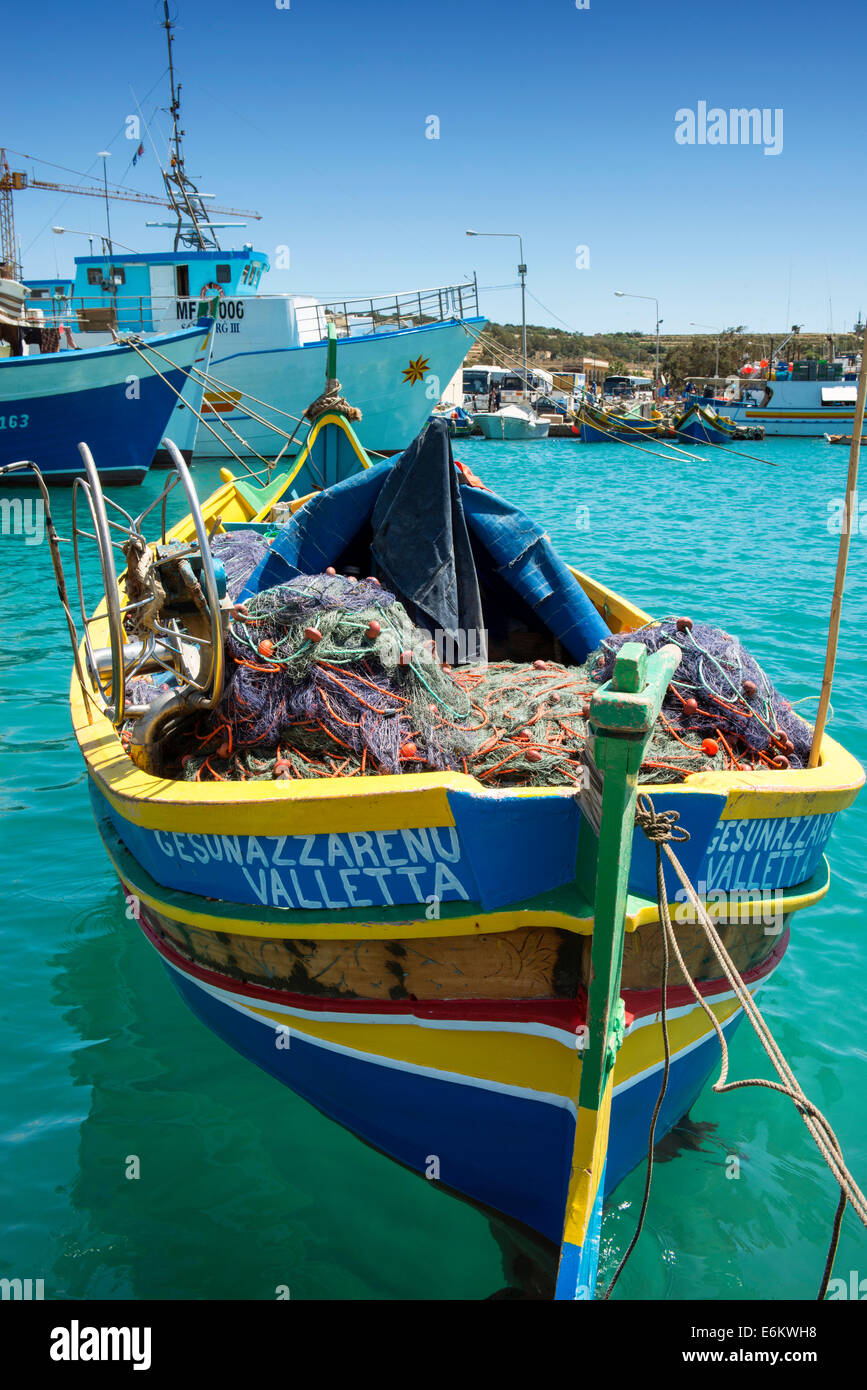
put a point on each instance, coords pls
(194, 227)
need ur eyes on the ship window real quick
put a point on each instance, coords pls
(182, 273)
(118, 274)
(224, 274)
(94, 275)
(245, 273)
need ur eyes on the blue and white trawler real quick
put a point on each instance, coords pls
(398, 352)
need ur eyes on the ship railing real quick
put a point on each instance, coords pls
(388, 313)
(351, 317)
(131, 313)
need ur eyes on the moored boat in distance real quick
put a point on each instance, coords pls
(807, 400)
(598, 426)
(702, 425)
(514, 421)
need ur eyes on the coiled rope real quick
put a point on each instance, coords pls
(661, 828)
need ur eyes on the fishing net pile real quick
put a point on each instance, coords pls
(720, 708)
(239, 552)
(328, 677)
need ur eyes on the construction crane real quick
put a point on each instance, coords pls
(193, 226)
(16, 180)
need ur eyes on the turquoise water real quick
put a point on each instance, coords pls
(243, 1187)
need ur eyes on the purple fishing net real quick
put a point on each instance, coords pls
(730, 691)
(334, 665)
(239, 552)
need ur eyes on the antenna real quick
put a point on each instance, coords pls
(194, 227)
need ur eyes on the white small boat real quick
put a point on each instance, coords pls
(512, 422)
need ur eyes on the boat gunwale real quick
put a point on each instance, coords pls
(363, 803)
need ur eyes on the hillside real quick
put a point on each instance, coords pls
(681, 355)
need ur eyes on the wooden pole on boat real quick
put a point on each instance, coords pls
(623, 713)
(331, 354)
(842, 560)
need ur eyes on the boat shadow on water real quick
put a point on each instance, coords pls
(236, 1196)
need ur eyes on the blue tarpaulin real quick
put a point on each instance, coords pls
(423, 519)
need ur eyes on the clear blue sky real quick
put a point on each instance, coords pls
(555, 122)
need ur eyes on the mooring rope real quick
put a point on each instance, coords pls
(211, 380)
(660, 828)
(693, 458)
(222, 388)
(500, 356)
(136, 346)
(622, 422)
(736, 453)
(663, 1089)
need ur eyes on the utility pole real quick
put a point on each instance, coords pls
(522, 270)
(104, 155)
(623, 294)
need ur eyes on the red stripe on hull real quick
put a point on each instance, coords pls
(565, 1014)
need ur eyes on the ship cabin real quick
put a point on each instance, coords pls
(150, 292)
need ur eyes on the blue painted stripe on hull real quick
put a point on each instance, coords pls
(703, 434)
(632, 1107)
(579, 1264)
(123, 434)
(504, 1151)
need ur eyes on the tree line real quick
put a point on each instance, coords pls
(681, 356)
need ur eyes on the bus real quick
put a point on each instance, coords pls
(481, 379)
(640, 387)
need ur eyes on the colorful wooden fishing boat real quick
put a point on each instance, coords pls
(468, 978)
(702, 425)
(596, 426)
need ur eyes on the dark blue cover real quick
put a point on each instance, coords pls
(417, 506)
(525, 558)
(421, 545)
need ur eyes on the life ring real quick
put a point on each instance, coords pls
(208, 291)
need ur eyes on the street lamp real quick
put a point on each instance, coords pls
(622, 294)
(718, 332)
(74, 231)
(522, 270)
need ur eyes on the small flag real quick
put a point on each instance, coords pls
(138, 154)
